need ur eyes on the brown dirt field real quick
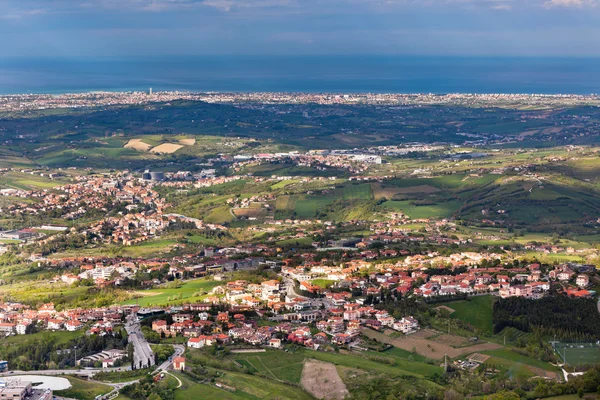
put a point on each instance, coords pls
(188, 142)
(430, 348)
(137, 144)
(321, 379)
(145, 294)
(528, 133)
(548, 131)
(418, 189)
(166, 148)
(480, 358)
(380, 192)
(452, 340)
(248, 212)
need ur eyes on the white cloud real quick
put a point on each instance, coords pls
(569, 3)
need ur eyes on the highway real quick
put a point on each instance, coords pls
(142, 353)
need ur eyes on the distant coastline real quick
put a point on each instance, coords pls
(305, 74)
(526, 102)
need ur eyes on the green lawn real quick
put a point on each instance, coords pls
(440, 210)
(83, 390)
(476, 311)
(188, 292)
(323, 283)
(59, 337)
(306, 241)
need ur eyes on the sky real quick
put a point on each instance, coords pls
(141, 28)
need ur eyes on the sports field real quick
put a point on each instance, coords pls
(578, 353)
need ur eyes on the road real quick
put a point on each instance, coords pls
(86, 372)
(179, 350)
(142, 353)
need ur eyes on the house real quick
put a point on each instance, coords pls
(73, 326)
(275, 343)
(21, 327)
(7, 328)
(341, 338)
(197, 342)
(406, 325)
(54, 324)
(582, 280)
(159, 325)
(179, 363)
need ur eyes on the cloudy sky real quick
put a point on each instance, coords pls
(134, 28)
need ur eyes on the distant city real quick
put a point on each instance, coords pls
(25, 102)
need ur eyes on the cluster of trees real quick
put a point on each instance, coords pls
(561, 316)
(386, 387)
(162, 352)
(397, 305)
(147, 389)
(61, 243)
(49, 353)
(580, 385)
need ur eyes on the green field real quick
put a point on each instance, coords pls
(46, 336)
(188, 292)
(246, 387)
(282, 367)
(323, 283)
(513, 358)
(400, 366)
(578, 353)
(83, 390)
(440, 210)
(476, 311)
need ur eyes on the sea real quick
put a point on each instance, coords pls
(308, 74)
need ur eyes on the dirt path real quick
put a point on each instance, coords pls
(322, 380)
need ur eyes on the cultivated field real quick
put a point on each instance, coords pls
(188, 142)
(431, 344)
(166, 148)
(321, 379)
(137, 144)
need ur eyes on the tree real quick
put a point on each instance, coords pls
(504, 395)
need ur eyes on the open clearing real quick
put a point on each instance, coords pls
(418, 189)
(321, 379)
(187, 142)
(433, 348)
(137, 144)
(476, 311)
(166, 148)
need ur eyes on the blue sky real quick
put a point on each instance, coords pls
(133, 28)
